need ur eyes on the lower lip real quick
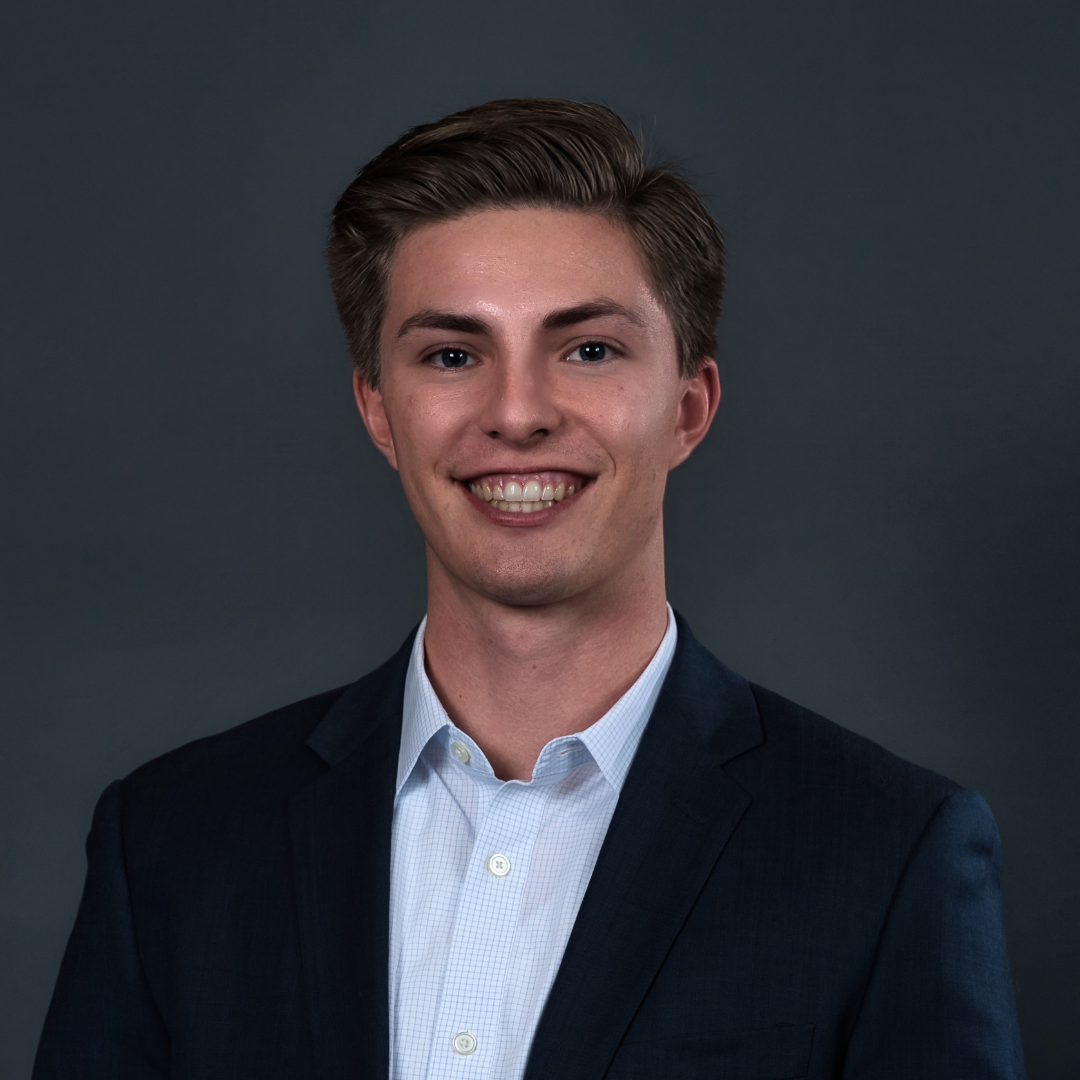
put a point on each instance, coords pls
(519, 520)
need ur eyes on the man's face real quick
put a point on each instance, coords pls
(531, 402)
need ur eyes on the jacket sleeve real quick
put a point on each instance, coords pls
(939, 1002)
(103, 1023)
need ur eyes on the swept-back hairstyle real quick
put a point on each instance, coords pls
(530, 152)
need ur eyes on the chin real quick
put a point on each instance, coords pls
(526, 584)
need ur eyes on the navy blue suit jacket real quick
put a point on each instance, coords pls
(776, 898)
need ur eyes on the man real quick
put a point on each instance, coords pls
(552, 837)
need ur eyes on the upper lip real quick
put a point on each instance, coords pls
(521, 470)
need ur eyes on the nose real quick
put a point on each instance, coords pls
(520, 407)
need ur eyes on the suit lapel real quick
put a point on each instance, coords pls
(675, 814)
(340, 830)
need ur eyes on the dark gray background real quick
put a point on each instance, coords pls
(883, 523)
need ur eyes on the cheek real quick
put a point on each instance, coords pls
(638, 427)
(425, 430)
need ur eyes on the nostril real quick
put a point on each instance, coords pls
(538, 433)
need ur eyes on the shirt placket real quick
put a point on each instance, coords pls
(466, 1034)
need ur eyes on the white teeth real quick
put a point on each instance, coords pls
(530, 507)
(521, 497)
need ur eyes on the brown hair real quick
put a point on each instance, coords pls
(566, 155)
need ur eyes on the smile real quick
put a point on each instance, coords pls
(525, 493)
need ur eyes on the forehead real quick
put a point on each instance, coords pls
(518, 261)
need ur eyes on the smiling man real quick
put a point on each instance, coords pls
(553, 837)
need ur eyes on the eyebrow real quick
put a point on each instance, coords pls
(456, 322)
(591, 309)
(444, 320)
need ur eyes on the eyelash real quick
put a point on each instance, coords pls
(429, 358)
(612, 349)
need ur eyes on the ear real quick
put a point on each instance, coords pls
(697, 407)
(373, 412)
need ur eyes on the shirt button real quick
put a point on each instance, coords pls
(462, 755)
(463, 1043)
(499, 865)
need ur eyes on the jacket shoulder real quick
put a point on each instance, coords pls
(271, 745)
(824, 765)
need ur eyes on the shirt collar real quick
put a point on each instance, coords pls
(612, 740)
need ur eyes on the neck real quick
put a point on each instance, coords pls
(514, 677)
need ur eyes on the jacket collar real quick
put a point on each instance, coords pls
(363, 707)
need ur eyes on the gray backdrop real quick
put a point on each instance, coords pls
(883, 523)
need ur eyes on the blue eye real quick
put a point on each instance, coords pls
(591, 351)
(450, 358)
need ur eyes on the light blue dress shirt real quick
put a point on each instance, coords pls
(487, 877)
